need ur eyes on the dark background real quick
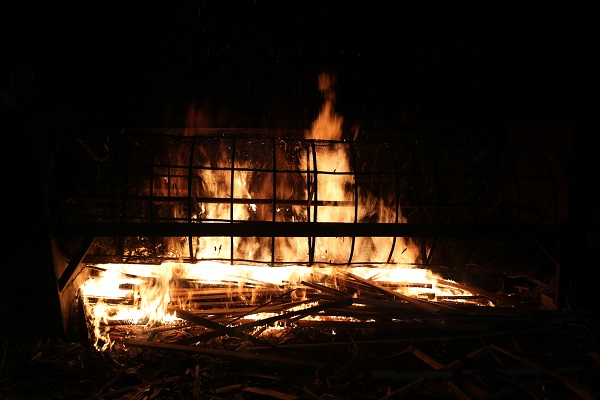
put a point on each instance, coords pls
(143, 63)
(521, 71)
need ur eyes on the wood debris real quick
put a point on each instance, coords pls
(356, 341)
(362, 339)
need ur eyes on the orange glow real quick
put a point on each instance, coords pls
(114, 296)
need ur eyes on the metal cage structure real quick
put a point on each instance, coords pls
(258, 197)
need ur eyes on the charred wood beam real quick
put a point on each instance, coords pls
(459, 316)
(411, 340)
(301, 229)
(221, 353)
(269, 393)
(402, 326)
(433, 363)
(404, 389)
(74, 262)
(457, 391)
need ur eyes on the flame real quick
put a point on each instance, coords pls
(328, 125)
(149, 297)
(114, 295)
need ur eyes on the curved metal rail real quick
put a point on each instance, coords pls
(234, 198)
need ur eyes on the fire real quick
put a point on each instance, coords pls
(142, 294)
(113, 296)
(328, 125)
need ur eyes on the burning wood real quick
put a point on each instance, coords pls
(239, 302)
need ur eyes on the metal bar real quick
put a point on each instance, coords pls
(517, 186)
(329, 203)
(303, 229)
(353, 159)
(232, 187)
(313, 193)
(397, 200)
(436, 179)
(274, 202)
(155, 149)
(192, 201)
(420, 214)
